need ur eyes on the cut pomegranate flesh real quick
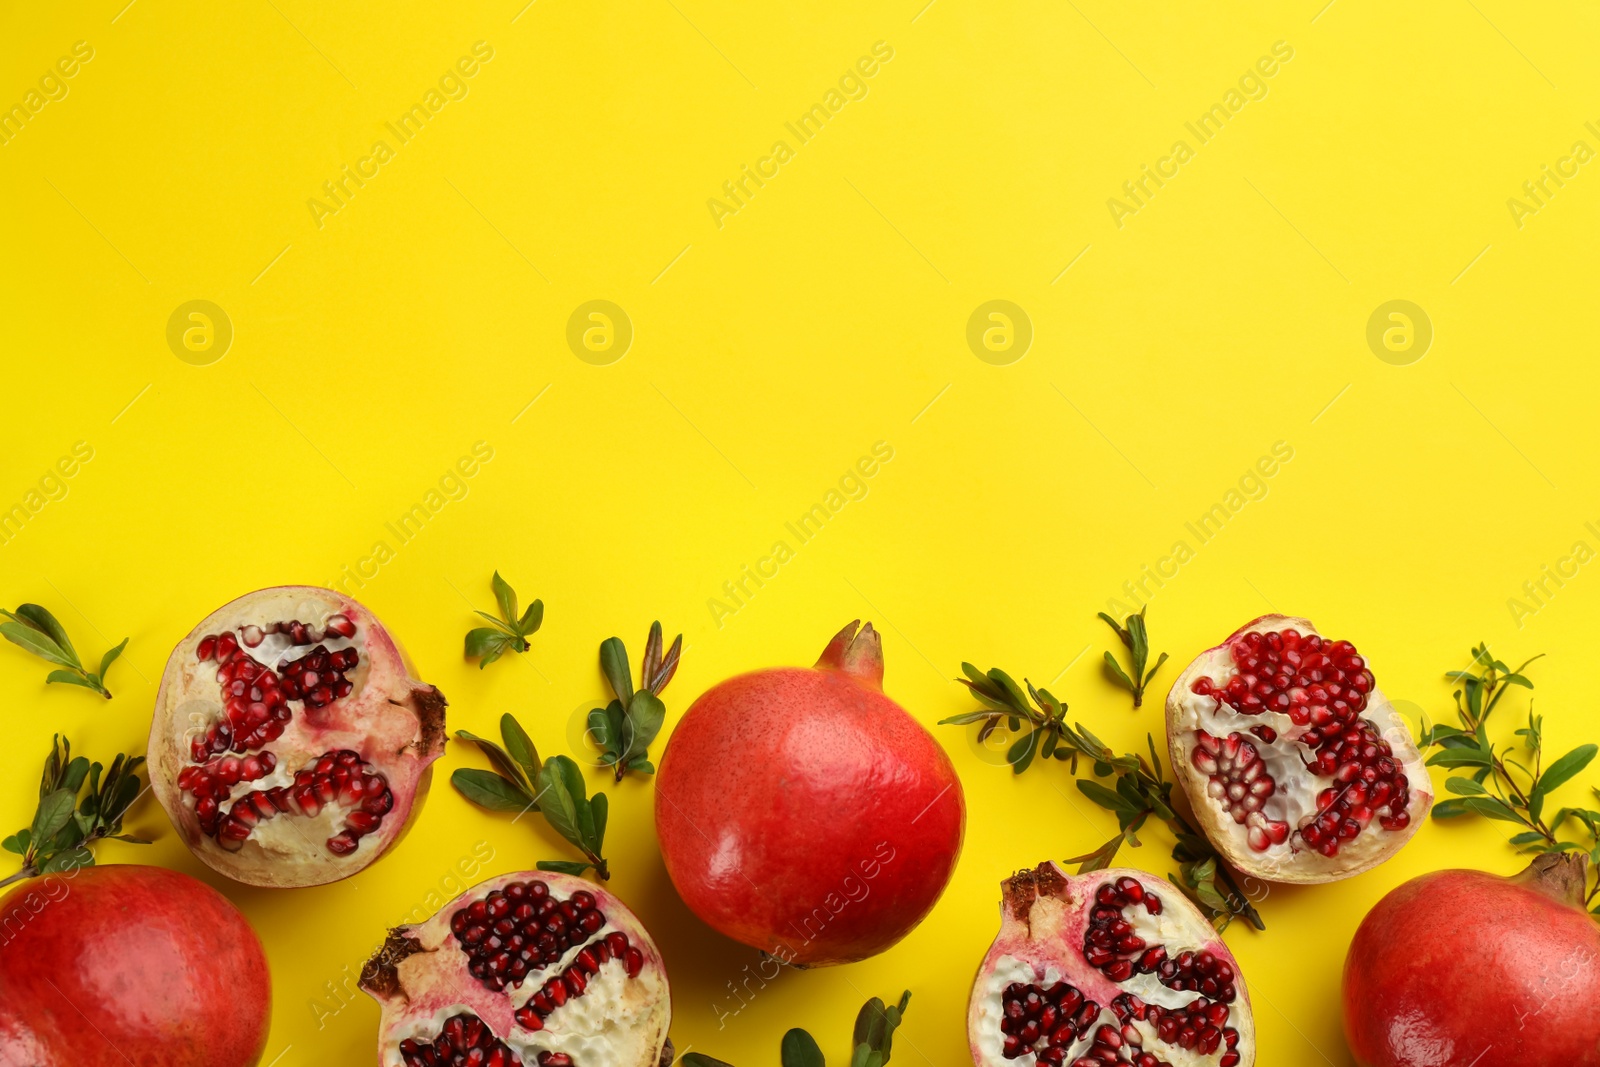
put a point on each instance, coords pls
(556, 971)
(292, 752)
(1292, 756)
(1081, 976)
(463, 1041)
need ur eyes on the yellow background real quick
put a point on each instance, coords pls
(769, 354)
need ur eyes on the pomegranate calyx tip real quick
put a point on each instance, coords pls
(1561, 876)
(856, 653)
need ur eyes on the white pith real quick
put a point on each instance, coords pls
(617, 1022)
(1054, 931)
(1284, 759)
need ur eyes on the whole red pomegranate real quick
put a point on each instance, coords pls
(290, 745)
(108, 966)
(1463, 967)
(805, 813)
(1297, 766)
(1109, 967)
(524, 969)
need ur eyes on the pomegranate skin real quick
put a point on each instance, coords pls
(805, 813)
(126, 964)
(1459, 967)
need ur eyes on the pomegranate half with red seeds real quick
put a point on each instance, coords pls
(111, 966)
(805, 813)
(1110, 967)
(1297, 766)
(290, 744)
(1463, 967)
(524, 969)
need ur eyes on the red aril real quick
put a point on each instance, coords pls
(803, 812)
(290, 744)
(524, 969)
(107, 966)
(1463, 967)
(1110, 967)
(1297, 766)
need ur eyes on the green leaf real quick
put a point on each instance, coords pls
(510, 768)
(531, 619)
(614, 665)
(46, 623)
(519, 746)
(506, 597)
(111, 657)
(68, 860)
(1531, 837)
(556, 799)
(799, 1049)
(1450, 809)
(643, 766)
(486, 643)
(40, 644)
(1106, 798)
(645, 715)
(1565, 768)
(573, 867)
(1159, 661)
(488, 790)
(1493, 808)
(1115, 671)
(70, 678)
(1466, 787)
(55, 811)
(77, 771)
(17, 842)
(1020, 755)
(1458, 757)
(1100, 858)
(697, 1059)
(968, 717)
(600, 807)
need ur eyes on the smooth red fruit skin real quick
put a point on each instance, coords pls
(1462, 967)
(806, 814)
(109, 966)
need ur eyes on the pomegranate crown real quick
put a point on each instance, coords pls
(856, 653)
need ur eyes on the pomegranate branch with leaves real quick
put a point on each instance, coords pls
(1136, 637)
(64, 827)
(1139, 787)
(625, 727)
(553, 787)
(871, 1042)
(1510, 783)
(33, 628)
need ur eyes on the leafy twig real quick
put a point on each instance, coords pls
(1137, 639)
(510, 632)
(35, 629)
(871, 1042)
(64, 827)
(1139, 787)
(624, 728)
(1496, 783)
(553, 787)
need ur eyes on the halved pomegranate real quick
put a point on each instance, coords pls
(1114, 966)
(524, 969)
(290, 744)
(1297, 766)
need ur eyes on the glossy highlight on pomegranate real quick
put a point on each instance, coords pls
(530, 968)
(803, 812)
(1109, 967)
(290, 745)
(1297, 766)
(1463, 967)
(106, 966)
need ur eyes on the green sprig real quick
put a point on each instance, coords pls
(625, 727)
(65, 826)
(35, 629)
(871, 1041)
(1136, 637)
(552, 787)
(1139, 787)
(510, 632)
(1509, 783)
